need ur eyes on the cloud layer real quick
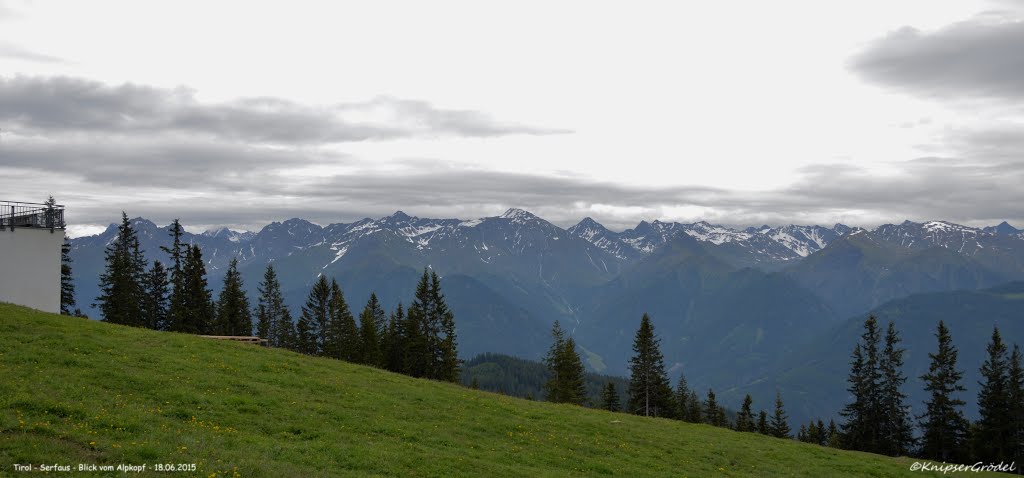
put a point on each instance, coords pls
(61, 105)
(163, 154)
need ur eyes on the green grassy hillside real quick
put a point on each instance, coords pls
(75, 391)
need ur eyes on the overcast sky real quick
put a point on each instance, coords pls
(738, 113)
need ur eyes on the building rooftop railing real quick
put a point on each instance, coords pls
(31, 215)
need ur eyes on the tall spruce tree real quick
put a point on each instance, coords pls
(420, 332)
(273, 320)
(649, 391)
(993, 441)
(448, 363)
(1016, 384)
(342, 335)
(778, 427)
(154, 300)
(572, 388)
(431, 341)
(865, 415)
(553, 385)
(610, 398)
(304, 339)
(178, 252)
(314, 336)
(394, 341)
(682, 394)
(762, 423)
(197, 310)
(372, 328)
(565, 382)
(714, 414)
(814, 433)
(745, 418)
(287, 333)
(694, 408)
(833, 438)
(67, 283)
(943, 425)
(233, 315)
(121, 284)
(896, 435)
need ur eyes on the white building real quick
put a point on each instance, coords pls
(31, 236)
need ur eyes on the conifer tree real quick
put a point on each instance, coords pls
(822, 433)
(273, 320)
(812, 433)
(430, 335)
(286, 334)
(572, 388)
(713, 413)
(233, 316)
(801, 434)
(553, 385)
(178, 252)
(778, 427)
(448, 363)
(394, 343)
(832, 436)
(897, 434)
(341, 335)
(745, 418)
(314, 336)
(197, 311)
(50, 213)
(67, 284)
(304, 340)
(694, 408)
(610, 398)
(1016, 385)
(762, 423)
(475, 384)
(565, 382)
(943, 425)
(418, 348)
(864, 416)
(154, 300)
(682, 394)
(420, 333)
(649, 391)
(371, 331)
(993, 441)
(121, 284)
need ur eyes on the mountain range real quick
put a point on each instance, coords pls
(728, 304)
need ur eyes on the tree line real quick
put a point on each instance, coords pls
(420, 341)
(649, 389)
(878, 419)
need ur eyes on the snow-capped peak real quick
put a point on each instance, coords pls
(518, 215)
(399, 216)
(588, 229)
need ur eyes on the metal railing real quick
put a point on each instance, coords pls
(32, 215)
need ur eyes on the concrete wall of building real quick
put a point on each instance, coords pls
(30, 267)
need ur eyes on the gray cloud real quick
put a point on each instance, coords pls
(8, 50)
(979, 58)
(160, 154)
(243, 187)
(60, 105)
